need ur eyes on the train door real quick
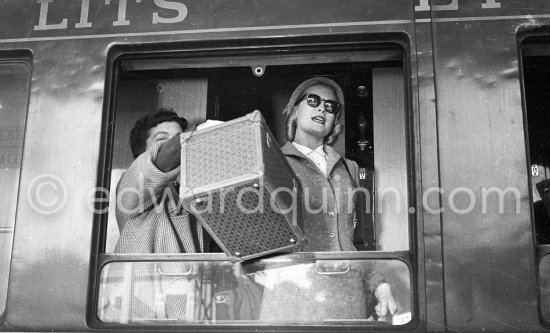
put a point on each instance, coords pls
(536, 77)
(487, 244)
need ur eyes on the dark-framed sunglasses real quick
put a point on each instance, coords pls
(315, 100)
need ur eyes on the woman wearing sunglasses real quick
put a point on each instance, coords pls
(313, 114)
(336, 289)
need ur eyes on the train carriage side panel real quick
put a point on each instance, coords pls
(54, 248)
(488, 251)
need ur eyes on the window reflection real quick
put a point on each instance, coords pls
(273, 291)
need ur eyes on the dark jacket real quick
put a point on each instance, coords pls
(329, 206)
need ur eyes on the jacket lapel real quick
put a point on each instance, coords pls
(289, 150)
(332, 158)
(332, 155)
(308, 166)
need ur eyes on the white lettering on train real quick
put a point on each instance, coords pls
(424, 5)
(181, 8)
(43, 18)
(121, 20)
(84, 9)
(452, 6)
(178, 7)
(490, 4)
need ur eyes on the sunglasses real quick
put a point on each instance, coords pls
(315, 100)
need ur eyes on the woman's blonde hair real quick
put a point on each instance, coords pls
(290, 109)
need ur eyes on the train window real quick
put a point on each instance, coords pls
(536, 76)
(284, 291)
(14, 91)
(329, 288)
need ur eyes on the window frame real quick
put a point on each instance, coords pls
(173, 55)
(24, 58)
(530, 43)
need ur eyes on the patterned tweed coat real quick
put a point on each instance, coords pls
(148, 212)
(151, 220)
(329, 226)
(299, 292)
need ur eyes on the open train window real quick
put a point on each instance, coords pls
(14, 93)
(536, 81)
(317, 288)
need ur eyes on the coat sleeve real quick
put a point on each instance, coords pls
(142, 186)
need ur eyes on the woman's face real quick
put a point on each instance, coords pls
(315, 121)
(162, 132)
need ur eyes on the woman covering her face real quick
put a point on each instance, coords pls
(357, 291)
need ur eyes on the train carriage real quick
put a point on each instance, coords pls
(445, 115)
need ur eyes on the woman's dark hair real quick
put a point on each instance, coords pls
(140, 131)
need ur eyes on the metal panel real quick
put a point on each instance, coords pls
(428, 179)
(14, 94)
(265, 60)
(488, 250)
(390, 160)
(51, 260)
(44, 19)
(51, 252)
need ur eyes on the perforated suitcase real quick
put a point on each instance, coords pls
(236, 180)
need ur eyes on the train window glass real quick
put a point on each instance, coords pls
(206, 288)
(14, 90)
(536, 76)
(283, 292)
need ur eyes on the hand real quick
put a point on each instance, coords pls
(227, 297)
(386, 303)
(169, 155)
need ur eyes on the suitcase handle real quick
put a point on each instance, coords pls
(189, 272)
(336, 272)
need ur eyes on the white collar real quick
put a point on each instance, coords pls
(306, 150)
